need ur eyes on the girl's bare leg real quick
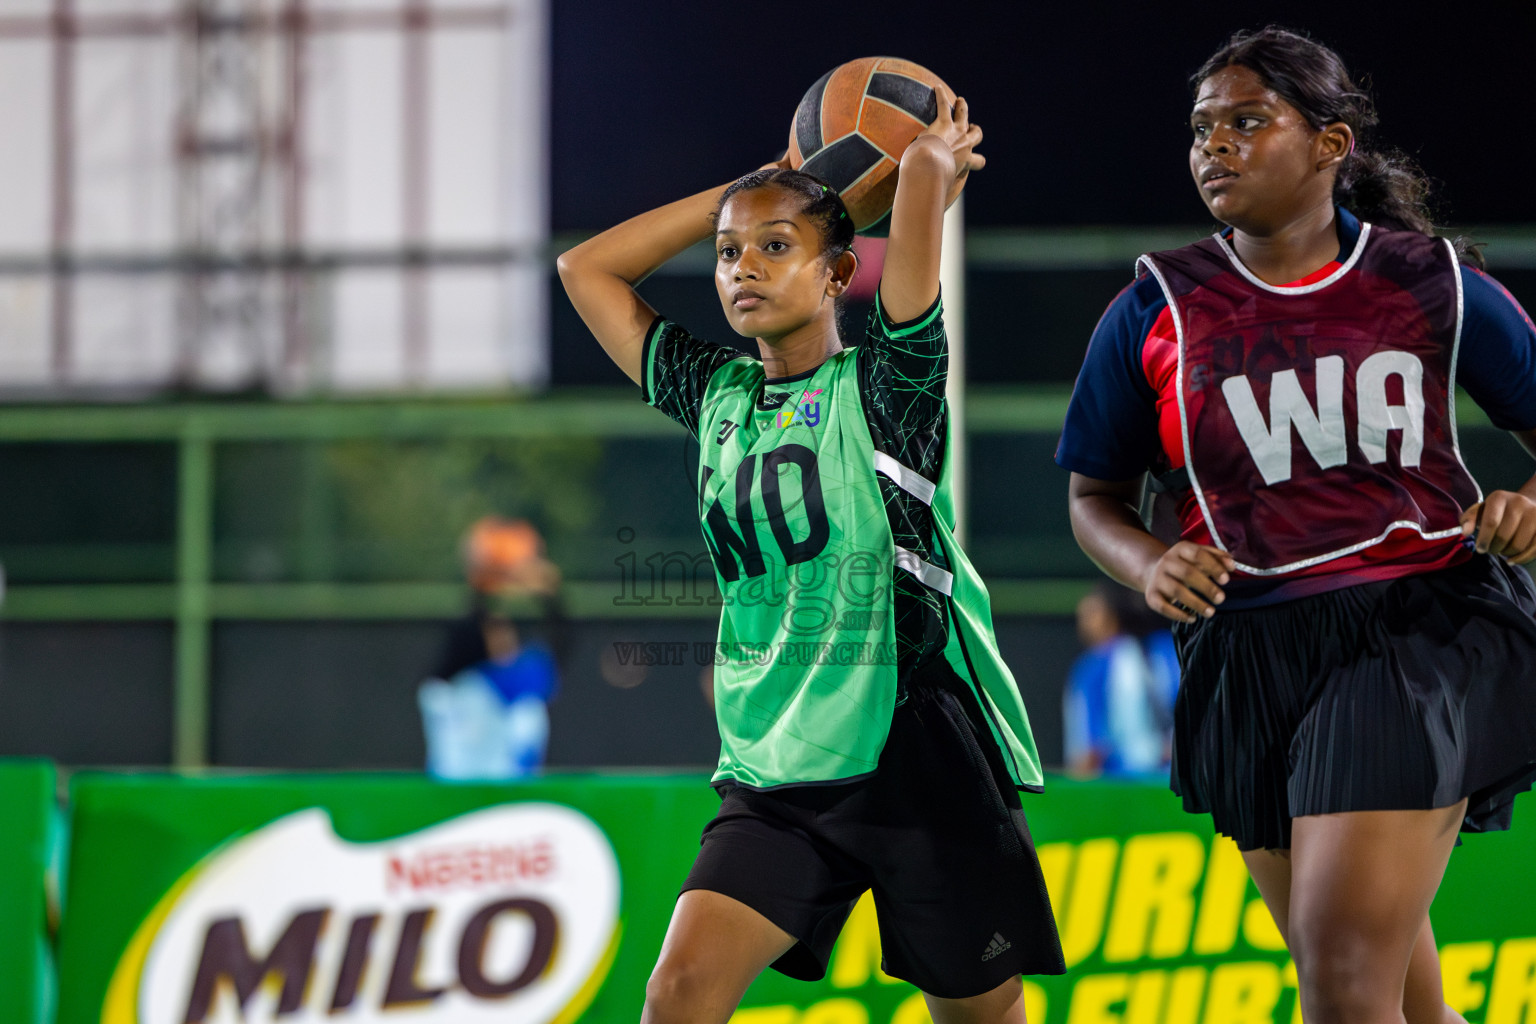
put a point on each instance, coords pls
(1002, 1005)
(1352, 901)
(714, 947)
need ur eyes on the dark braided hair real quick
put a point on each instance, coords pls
(1384, 187)
(818, 201)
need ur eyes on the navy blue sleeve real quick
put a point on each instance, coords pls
(1111, 428)
(1497, 360)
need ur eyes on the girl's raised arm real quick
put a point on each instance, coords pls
(600, 274)
(933, 170)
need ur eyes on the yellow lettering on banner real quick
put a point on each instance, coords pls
(1145, 1005)
(914, 1010)
(1259, 928)
(1184, 992)
(836, 1011)
(1243, 994)
(1095, 998)
(1512, 998)
(765, 1015)
(1081, 917)
(1034, 1003)
(856, 958)
(1458, 962)
(1155, 897)
(1221, 898)
(1289, 980)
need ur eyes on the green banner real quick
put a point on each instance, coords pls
(29, 836)
(349, 898)
(1161, 925)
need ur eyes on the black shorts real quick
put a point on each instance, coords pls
(1407, 694)
(937, 833)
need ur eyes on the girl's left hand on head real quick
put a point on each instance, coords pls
(1504, 524)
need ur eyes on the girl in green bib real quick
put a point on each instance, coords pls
(871, 736)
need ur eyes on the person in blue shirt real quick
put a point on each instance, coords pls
(1118, 707)
(486, 711)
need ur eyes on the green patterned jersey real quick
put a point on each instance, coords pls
(825, 505)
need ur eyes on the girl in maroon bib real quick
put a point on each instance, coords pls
(1356, 645)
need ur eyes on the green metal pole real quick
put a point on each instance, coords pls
(317, 542)
(194, 544)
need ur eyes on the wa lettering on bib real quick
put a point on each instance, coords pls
(1318, 419)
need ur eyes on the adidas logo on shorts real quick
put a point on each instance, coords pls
(995, 947)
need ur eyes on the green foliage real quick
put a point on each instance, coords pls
(412, 501)
(376, 510)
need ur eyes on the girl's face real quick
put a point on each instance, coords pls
(769, 270)
(1256, 160)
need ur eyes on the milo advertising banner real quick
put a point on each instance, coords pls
(30, 837)
(368, 898)
(391, 898)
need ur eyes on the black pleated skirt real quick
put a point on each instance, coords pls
(1400, 695)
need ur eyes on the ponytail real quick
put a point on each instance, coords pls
(1389, 189)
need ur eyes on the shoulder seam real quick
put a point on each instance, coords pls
(901, 330)
(647, 379)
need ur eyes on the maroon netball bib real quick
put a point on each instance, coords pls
(1319, 419)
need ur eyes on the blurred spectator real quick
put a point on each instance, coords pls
(485, 712)
(1118, 707)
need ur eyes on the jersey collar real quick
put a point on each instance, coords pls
(1349, 232)
(1352, 236)
(802, 375)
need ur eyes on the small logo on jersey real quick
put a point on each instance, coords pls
(1199, 376)
(996, 947)
(806, 412)
(727, 428)
(772, 400)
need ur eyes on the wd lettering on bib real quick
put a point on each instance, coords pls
(799, 527)
(1318, 419)
(796, 500)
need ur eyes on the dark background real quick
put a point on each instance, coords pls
(1083, 104)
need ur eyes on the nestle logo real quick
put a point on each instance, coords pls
(468, 866)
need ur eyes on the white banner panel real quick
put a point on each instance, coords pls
(246, 206)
